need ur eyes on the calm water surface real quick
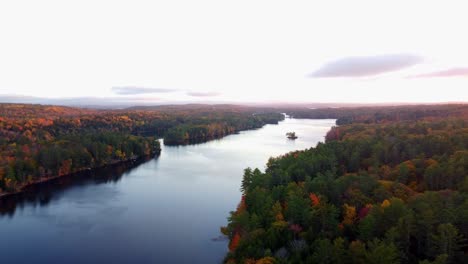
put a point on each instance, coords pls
(166, 210)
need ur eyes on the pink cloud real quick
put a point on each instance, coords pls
(453, 72)
(366, 66)
(133, 90)
(203, 94)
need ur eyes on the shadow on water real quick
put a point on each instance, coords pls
(196, 141)
(42, 194)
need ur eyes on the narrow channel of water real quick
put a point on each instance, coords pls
(166, 210)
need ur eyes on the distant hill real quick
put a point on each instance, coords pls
(117, 102)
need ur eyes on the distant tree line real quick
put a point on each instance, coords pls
(382, 114)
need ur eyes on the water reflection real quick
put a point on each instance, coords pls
(43, 193)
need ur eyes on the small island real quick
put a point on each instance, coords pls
(291, 135)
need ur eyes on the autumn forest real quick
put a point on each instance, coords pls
(389, 185)
(38, 142)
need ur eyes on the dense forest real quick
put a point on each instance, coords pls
(380, 114)
(389, 185)
(39, 142)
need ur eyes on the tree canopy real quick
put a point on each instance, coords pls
(379, 190)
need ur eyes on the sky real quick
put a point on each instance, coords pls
(234, 51)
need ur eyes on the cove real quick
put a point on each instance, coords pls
(165, 210)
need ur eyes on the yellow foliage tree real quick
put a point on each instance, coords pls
(385, 203)
(349, 214)
(266, 260)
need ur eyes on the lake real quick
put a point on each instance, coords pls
(165, 210)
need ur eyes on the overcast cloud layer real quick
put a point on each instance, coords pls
(235, 51)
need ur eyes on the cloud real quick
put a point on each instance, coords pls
(366, 66)
(452, 72)
(203, 94)
(132, 90)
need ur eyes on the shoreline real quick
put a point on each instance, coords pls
(47, 179)
(133, 159)
(201, 140)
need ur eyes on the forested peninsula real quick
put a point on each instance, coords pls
(389, 185)
(40, 142)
